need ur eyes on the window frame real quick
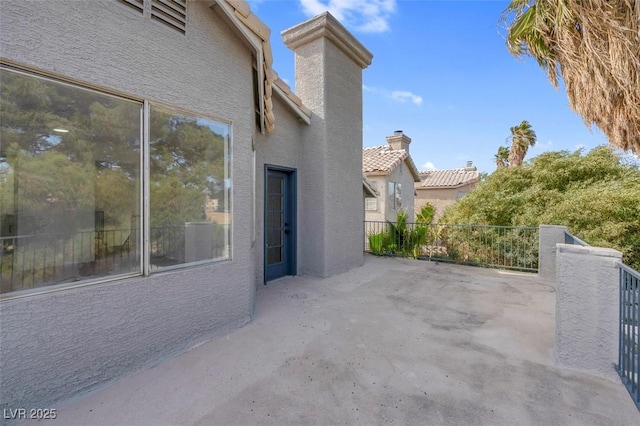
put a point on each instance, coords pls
(144, 183)
(375, 203)
(394, 195)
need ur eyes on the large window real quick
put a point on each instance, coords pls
(74, 203)
(189, 188)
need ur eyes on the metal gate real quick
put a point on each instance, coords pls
(628, 353)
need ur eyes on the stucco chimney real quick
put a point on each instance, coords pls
(399, 140)
(328, 73)
(470, 166)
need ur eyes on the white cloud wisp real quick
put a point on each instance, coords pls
(367, 16)
(403, 96)
(429, 166)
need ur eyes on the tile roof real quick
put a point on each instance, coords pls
(382, 160)
(239, 14)
(449, 178)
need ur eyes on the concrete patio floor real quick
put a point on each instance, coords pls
(393, 342)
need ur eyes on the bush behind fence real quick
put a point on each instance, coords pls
(491, 246)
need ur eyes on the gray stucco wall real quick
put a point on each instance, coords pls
(587, 308)
(330, 85)
(343, 206)
(57, 344)
(282, 147)
(550, 235)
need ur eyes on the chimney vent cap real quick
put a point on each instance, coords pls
(398, 132)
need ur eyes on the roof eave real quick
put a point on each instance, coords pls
(377, 173)
(301, 112)
(412, 167)
(448, 186)
(368, 188)
(249, 38)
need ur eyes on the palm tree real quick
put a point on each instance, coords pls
(594, 47)
(522, 137)
(502, 157)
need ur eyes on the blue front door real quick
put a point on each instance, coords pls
(279, 223)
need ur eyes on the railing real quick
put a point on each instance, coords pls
(572, 239)
(628, 354)
(167, 246)
(504, 247)
(30, 261)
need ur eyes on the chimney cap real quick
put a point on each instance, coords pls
(398, 132)
(469, 163)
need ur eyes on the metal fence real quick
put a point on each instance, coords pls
(166, 246)
(505, 247)
(572, 239)
(628, 353)
(28, 261)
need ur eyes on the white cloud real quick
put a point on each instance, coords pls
(400, 96)
(429, 166)
(367, 16)
(404, 96)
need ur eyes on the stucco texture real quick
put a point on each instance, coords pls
(587, 309)
(440, 198)
(401, 175)
(283, 148)
(60, 343)
(331, 219)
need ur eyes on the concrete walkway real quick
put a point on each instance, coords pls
(393, 342)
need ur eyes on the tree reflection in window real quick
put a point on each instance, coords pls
(70, 185)
(189, 193)
(67, 154)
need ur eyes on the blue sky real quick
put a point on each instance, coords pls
(442, 74)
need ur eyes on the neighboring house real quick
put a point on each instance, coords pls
(155, 171)
(390, 172)
(368, 191)
(442, 188)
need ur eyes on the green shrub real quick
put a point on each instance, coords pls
(596, 195)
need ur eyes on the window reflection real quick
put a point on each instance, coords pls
(69, 183)
(189, 188)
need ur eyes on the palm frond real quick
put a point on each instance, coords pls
(594, 46)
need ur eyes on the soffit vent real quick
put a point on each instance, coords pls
(170, 12)
(137, 5)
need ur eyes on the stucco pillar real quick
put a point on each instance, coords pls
(550, 235)
(587, 312)
(329, 63)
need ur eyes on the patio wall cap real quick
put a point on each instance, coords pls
(325, 25)
(593, 251)
(554, 226)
